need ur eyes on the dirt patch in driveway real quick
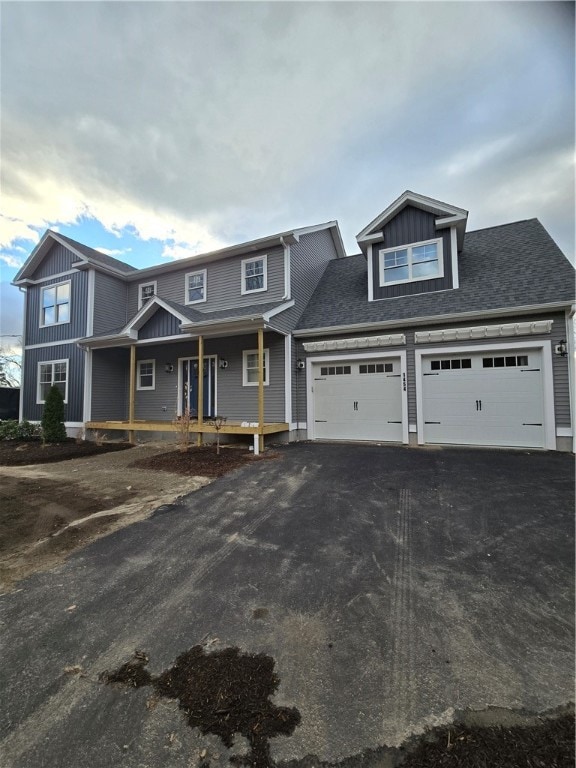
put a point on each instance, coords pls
(204, 461)
(50, 510)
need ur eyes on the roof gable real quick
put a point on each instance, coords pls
(446, 216)
(84, 256)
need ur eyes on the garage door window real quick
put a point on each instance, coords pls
(377, 368)
(451, 365)
(335, 370)
(512, 361)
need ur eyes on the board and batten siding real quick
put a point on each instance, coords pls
(412, 225)
(110, 295)
(161, 323)
(110, 383)
(75, 329)
(223, 283)
(308, 260)
(233, 400)
(58, 259)
(73, 409)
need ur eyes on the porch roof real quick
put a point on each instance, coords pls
(193, 322)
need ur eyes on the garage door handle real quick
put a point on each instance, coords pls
(529, 424)
(478, 405)
(432, 422)
(355, 405)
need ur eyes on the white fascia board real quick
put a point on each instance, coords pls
(116, 340)
(450, 221)
(230, 326)
(276, 311)
(375, 238)
(148, 309)
(412, 321)
(454, 257)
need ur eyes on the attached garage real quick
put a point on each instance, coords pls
(358, 398)
(495, 396)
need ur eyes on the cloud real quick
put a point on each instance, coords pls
(11, 261)
(11, 310)
(209, 123)
(115, 252)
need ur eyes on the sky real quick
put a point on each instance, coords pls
(159, 130)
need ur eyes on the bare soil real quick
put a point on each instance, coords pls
(55, 499)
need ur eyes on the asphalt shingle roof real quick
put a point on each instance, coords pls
(97, 256)
(506, 266)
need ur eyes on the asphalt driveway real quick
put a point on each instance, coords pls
(391, 586)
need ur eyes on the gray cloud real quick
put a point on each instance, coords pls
(251, 117)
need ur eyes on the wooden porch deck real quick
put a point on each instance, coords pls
(195, 427)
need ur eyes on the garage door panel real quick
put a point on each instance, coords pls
(485, 405)
(360, 405)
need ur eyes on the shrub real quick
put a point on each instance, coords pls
(23, 430)
(53, 429)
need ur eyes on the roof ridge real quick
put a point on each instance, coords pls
(507, 224)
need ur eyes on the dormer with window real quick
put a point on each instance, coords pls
(412, 247)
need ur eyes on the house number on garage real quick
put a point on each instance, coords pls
(404, 382)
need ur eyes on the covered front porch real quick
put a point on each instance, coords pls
(192, 384)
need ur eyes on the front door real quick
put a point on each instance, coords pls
(189, 386)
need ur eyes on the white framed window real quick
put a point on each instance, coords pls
(52, 373)
(55, 304)
(254, 274)
(196, 287)
(146, 374)
(250, 367)
(419, 261)
(145, 292)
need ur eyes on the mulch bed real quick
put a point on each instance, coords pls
(14, 453)
(202, 461)
(223, 693)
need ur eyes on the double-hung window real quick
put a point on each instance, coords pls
(196, 287)
(55, 304)
(145, 292)
(52, 373)
(250, 367)
(146, 374)
(254, 275)
(420, 261)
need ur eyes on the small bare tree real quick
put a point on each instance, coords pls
(217, 422)
(182, 424)
(10, 368)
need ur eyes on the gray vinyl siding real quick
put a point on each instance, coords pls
(223, 284)
(110, 382)
(161, 323)
(109, 303)
(559, 364)
(298, 383)
(308, 260)
(412, 225)
(58, 259)
(75, 329)
(73, 409)
(233, 400)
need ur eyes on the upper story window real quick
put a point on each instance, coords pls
(420, 261)
(52, 373)
(145, 292)
(55, 304)
(146, 374)
(196, 287)
(250, 368)
(254, 275)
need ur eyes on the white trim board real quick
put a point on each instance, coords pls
(472, 333)
(288, 379)
(360, 342)
(547, 380)
(310, 361)
(53, 344)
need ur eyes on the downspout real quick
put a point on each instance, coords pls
(570, 344)
(24, 290)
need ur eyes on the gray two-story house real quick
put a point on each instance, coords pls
(430, 335)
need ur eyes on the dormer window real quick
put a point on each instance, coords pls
(419, 261)
(145, 292)
(254, 276)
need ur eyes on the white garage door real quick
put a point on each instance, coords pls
(489, 398)
(358, 400)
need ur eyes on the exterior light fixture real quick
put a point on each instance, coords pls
(561, 348)
(300, 365)
(223, 363)
(169, 368)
